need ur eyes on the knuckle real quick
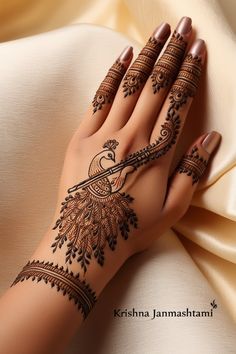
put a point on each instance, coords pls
(178, 210)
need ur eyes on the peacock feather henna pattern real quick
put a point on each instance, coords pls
(107, 90)
(167, 67)
(142, 66)
(193, 165)
(96, 210)
(64, 281)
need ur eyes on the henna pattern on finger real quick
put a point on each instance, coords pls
(142, 66)
(95, 210)
(167, 67)
(64, 281)
(193, 164)
(107, 90)
(187, 81)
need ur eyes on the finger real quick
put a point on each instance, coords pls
(187, 175)
(160, 80)
(135, 79)
(102, 101)
(175, 109)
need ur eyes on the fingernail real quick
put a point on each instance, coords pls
(211, 141)
(184, 26)
(162, 32)
(198, 49)
(126, 54)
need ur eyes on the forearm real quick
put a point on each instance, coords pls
(39, 318)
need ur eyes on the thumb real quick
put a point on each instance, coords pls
(187, 175)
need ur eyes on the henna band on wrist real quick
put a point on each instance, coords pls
(63, 280)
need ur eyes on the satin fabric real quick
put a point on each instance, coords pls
(47, 81)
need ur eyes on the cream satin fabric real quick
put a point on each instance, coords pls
(47, 81)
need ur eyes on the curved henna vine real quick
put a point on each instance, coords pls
(167, 67)
(92, 217)
(64, 281)
(142, 67)
(193, 165)
(107, 90)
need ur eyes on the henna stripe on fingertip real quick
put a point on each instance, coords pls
(188, 79)
(64, 281)
(167, 67)
(143, 65)
(109, 86)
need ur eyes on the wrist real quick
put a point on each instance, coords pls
(96, 276)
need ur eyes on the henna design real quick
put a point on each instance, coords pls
(142, 67)
(107, 90)
(63, 280)
(193, 165)
(187, 81)
(95, 215)
(167, 67)
(95, 210)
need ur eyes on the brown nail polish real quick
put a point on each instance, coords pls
(162, 32)
(198, 49)
(184, 26)
(211, 141)
(126, 54)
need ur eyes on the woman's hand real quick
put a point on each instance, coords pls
(116, 182)
(116, 190)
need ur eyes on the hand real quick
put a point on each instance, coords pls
(116, 189)
(116, 176)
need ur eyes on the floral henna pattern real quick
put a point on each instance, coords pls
(63, 280)
(166, 70)
(107, 90)
(142, 67)
(193, 165)
(96, 210)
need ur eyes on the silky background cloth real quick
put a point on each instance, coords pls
(47, 81)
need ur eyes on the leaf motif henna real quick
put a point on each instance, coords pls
(193, 165)
(97, 212)
(142, 66)
(107, 90)
(167, 67)
(63, 280)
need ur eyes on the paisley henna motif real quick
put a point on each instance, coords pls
(95, 210)
(93, 217)
(63, 280)
(167, 67)
(193, 165)
(107, 90)
(142, 67)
